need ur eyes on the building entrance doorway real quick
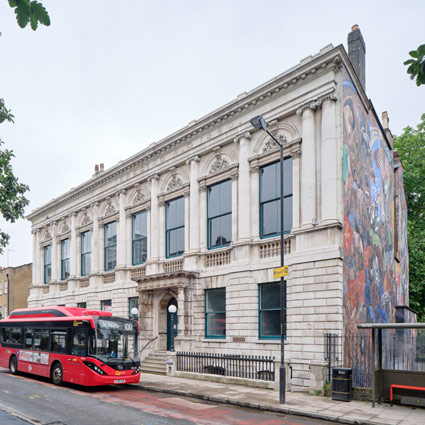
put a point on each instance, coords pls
(173, 301)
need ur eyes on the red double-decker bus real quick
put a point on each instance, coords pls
(70, 344)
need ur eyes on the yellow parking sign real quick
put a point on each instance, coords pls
(280, 272)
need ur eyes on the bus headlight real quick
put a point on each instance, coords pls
(95, 368)
(138, 369)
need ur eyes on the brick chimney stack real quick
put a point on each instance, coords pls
(357, 53)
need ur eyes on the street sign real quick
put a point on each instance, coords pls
(280, 272)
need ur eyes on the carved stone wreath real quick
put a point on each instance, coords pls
(85, 219)
(65, 228)
(110, 209)
(219, 165)
(139, 198)
(271, 145)
(174, 183)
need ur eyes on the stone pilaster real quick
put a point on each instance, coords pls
(73, 247)
(154, 218)
(122, 230)
(96, 243)
(308, 169)
(235, 194)
(186, 220)
(161, 225)
(203, 217)
(296, 165)
(194, 204)
(244, 203)
(329, 161)
(55, 252)
(254, 206)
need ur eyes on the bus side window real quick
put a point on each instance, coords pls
(29, 336)
(58, 341)
(41, 339)
(12, 336)
(79, 342)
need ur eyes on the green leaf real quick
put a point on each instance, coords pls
(34, 22)
(12, 3)
(22, 14)
(40, 13)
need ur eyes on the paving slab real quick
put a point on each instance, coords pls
(303, 404)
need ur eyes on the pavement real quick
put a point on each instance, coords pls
(300, 404)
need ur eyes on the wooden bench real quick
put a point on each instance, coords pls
(405, 387)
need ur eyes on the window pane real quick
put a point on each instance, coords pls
(270, 296)
(85, 242)
(270, 217)
(287, 177)
(226, 197)
(216, 300)
(269, 179)
(111, 234)
(213, 201)
(180, 240)
(140, 251)
(111, 258)
(47, 254)
(86, 264)
(180, 212)
(270, 323)
(59, 341)
(287, 215)
(140, 225)
(216, 324)
(65, 249)
(41, 339)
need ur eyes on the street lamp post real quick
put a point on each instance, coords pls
(172, 310)
(259, 123)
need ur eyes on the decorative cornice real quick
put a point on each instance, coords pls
(317, 102)
(332, 58)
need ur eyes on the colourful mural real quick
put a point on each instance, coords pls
(375, 233)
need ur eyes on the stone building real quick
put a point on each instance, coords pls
(193, 220)
(14, 288)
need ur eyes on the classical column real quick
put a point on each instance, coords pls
(181, 312)
(161, 224)
(96, 244)
(154, 217)
(235, 211)
(308, 169)
(129, 237)
(55, 253)
(255, 204)
(186, 220)
(194, 203)
(329, 160)
(203, 216)
(244, 202)
(35, 249)
(73, 246)
(122, 231)
(296, 189)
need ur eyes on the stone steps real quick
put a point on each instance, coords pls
(155, 363)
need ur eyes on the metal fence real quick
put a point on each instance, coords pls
(239, 366)
(401, 350)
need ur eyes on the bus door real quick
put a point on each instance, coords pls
(75, 367)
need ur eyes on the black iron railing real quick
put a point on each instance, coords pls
(239, 366)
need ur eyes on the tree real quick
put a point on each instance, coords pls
(411, 148)
(417, 65)
(12, 199)
(28, 11)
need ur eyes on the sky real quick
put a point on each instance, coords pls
(108, 78)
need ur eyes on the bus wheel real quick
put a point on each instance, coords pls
(13, 365)
(56, 374)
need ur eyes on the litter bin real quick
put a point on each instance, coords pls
(342, 380)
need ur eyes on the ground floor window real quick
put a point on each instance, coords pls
(269, 310)
(106, 305)
(215, 313)
(133, 302)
